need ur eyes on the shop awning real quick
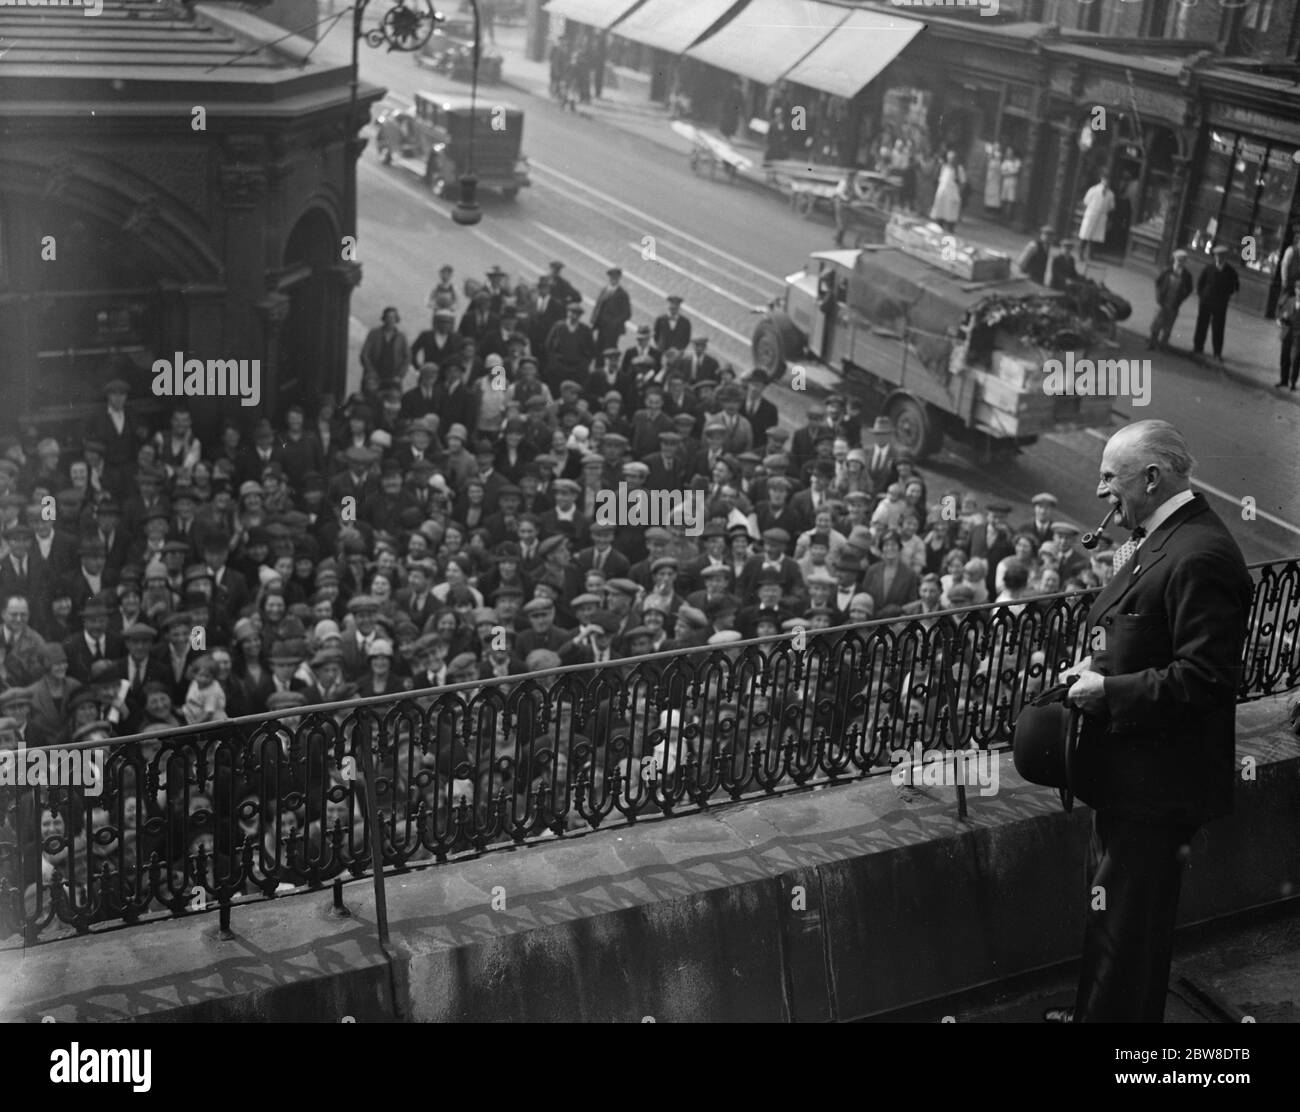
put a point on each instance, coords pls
(768, 37)
(855, 53)
(601, 14)
(672, 25)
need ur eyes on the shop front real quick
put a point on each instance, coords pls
(1244, 192)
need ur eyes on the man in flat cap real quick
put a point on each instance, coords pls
(612, 311)
(386, 351)
(113, 427)
(1173, 287)
(1215, 287)
(643, 349)
(20, 574)
(1040, 527)
(672, 329)
(774, 558)
(90, 579)
(698, 363)
(570, 348)
(667, 468)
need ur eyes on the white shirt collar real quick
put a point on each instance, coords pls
(1165, 510)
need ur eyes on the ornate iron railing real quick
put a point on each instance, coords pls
(204, 816)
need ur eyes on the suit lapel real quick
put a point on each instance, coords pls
(1147, 557)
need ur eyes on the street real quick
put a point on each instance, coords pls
(602, 196)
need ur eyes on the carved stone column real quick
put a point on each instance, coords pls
(272, 312)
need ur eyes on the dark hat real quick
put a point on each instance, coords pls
(675, 299)
(608, 622)
(283, 700)
(776, 535)
(139, 630)
(551, 544)
(1046, 742)
(1219, 249)
(117, 386)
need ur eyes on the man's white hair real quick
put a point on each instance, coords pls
(1160, 440)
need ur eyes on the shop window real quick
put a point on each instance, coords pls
(1244, 198)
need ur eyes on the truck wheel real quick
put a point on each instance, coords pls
(776, 341)
(914, 427)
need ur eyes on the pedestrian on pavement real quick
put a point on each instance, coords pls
(1062, 270)
(1173, 287)
(1098, 203)
(612, 312)
(992, 180)
(946, 209)
(1288, 320)
(1215, 287)
(1010, 183)
(1033, 259)
(1289, 269)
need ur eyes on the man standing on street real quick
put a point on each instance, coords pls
(1173, 287)
(672, 329)
(1216, 285)
(1155, 759)
(386, 352)
(1288, 319)
(612, 312)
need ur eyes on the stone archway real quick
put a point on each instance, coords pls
(306, 337)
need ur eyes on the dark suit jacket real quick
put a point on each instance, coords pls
(610, 316)
(671, 334)
(761, 418)
(616, 564)
(903, 588)
(80, 660)
(1173, 623)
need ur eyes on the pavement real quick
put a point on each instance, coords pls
(1252, 343)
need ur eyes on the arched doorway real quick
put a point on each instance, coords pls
(305, 350)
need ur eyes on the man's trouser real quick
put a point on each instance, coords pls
(1135, 875)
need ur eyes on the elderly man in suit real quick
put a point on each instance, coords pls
(1158, 695)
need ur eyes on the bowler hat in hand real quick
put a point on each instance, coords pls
(1047, 741)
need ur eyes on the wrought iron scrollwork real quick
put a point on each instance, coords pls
(405, 27)
(252, 809)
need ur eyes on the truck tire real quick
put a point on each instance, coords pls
(776, 341)
(916, 426)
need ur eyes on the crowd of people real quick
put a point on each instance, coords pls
(441, 525)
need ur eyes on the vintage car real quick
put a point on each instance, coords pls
(450, 50)
(432, 137)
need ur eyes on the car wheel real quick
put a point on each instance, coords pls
(914, 427)
(775, 342)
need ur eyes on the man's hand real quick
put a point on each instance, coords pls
(1089, 694)
(1073, 672)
